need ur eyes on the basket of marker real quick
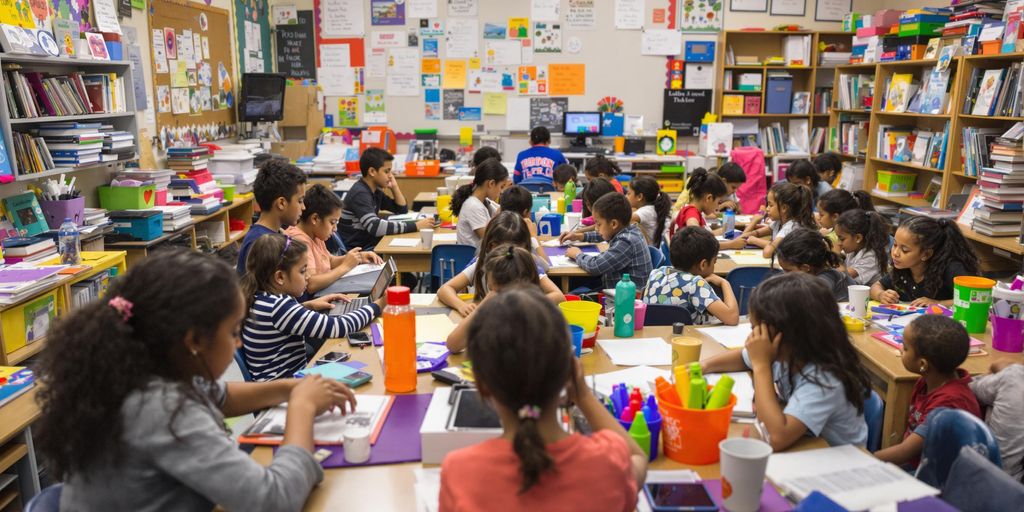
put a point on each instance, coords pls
(695, 415)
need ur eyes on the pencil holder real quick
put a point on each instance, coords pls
(56, 211)
(1007, 334)
(691, 436)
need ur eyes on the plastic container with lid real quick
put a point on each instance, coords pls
(399, 342)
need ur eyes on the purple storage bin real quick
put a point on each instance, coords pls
(56, 211)
(1007, 334)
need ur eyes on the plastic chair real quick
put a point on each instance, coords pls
(538, 186)
(446, 261)
(666, 314)
(874, 412)
(977, 485)
(666, 256)
(744, 280)
(240, 360)
(48, 500)
(656, 257)
(948, 431)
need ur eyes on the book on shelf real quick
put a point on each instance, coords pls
(900, 89)
(16, 380)
(987, 91)
(35, 94)
(773, 139)
(935, 93)
(976, 147)
(996, 92)
(822, 100)
(855, 92)
(851, 136)
(801, 102)
(732, 104)
(895, 143)
(817, 143)
(752, 105)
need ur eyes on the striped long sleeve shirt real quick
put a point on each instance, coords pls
(273, 336)
(361, 225)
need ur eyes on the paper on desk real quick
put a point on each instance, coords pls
(402, 217)
(664, 477)
(636, 377)
(638, 351)
(445, 237)
(748, 258)
(847, 475)
(433, 328)
(730, 336)
(364, 268)
(404, 242)
(562, 262)
(743, 389)
(428, 489)
(552, 243)
(421, 299)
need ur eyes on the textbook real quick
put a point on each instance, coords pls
(328, 428)
(14, 381)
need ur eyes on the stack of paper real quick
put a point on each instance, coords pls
(328, 428)
(730, 336)
(638, 351)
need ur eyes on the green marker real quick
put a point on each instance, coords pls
(720, 394)
(640, 433)
(696, 398)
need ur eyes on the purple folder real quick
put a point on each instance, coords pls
(378, 341)
(771, 500)
(399, 439)
(560, 251)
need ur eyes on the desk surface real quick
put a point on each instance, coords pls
(389, 487)
(18, 414)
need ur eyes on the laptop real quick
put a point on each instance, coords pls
(384, 278)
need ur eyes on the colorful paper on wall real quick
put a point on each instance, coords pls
(454, 100)
(470, 114)
(702, 16)
(387, 12)
(432, 104)
(431, 81)
(374, 111)
(179, 73)
(430, 47)
(518, 28)
(348, 112)
(547, 37)
(454, 76)
(533, 80)
(430, 66)
(567, 79)
(495, 31)
(163, 99)
(495, 103)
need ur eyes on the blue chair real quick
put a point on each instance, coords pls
(948, 431)
(48, 500)
(666, 314)
(446, 261)
(666, 256)
(240, 360)
(656, 257)
(874, 412)
(538, 186)
(744, 280)
(977, 485)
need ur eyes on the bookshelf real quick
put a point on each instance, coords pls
(121, 121)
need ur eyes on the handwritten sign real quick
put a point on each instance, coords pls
(567, 79)
(295, 51)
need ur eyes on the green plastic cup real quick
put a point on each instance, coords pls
(972, 297)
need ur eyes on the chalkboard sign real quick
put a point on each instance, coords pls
(683, 110)
(548, 112)
(296, 54)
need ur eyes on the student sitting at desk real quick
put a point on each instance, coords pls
(705, 191)
(474, 204)
(789, 207)
(806, 250)
(687, 283)
(482, 155)
(504, 228)
(927, 254)
(273, 335)
(535, 464)
(934, 347)
(595, 189)
(834, 203)
(279, 192)
(733, 176)
(803, 172)
(864, 239)
(800, 347)
(601, 167)
(318, 221)
(361, 225)
(132, 409)
(539, 161)
(627, 251)
(518, 199)
(563, 174)
(651, 208)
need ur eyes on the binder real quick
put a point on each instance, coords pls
(779, 95)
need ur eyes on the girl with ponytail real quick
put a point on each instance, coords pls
(807, 250)
(132, 410)
(789, 207)
(833, 203)
(706, 191)
(864, 238)
(651, 208)
(535, 464)
(476, 203)
(926, 255)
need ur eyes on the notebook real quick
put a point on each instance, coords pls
(328, 428)
(16, 380)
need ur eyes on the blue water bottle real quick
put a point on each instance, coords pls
(625, 303)
(730, 223)
(70, 243)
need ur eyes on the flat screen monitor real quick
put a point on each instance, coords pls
(582, 123)
(262, 97)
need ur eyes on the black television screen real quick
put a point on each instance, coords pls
(262, 97)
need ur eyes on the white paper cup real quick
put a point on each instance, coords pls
(859, 295)
(743, 462)
(357, 445)
(442, 191)
(427, 237)
(572, 220)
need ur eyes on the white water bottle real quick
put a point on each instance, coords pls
(70, 243)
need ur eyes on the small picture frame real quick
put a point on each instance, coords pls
(788, 8)
(97, 46)
(832, 10)
(748, 5)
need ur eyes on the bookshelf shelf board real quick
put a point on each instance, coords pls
(736, 91)
(898, 63)
(907, 165)
(850, 111)
(963, 176)
(68, 170)
(857, 67)
(847, 155)
(26, 352)
(770, 32)
(765, 115)
(1007, 243)
(820, 114)
(913, 115)
(66, 119)
(762, 67)
(990, 118)
(905, 201)
(836, 33)
(60, 61)
(994, 58)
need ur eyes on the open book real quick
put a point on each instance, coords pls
(328, 428)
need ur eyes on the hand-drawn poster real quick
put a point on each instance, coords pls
(348, 112)
(374, 111)
(548, 112)
(702, 15)
(580, 15)
(547, 37)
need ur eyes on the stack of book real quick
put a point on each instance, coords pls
(969, 17)
(96, 221)
(117, 145)
(196, 189)
(18, 283)
(234, 168)
(28, 249)
(33, 94)
(175, 217)
(975, 148)
(1002, 186)
(995, 92)
(72, 144)
(188, 159)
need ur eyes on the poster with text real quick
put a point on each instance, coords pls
(387, 12)
(462, 8)
(580, 15)
(454, 100)
(374, 111)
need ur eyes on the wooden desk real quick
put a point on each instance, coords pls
(409, 259)
(424, 199)
(17, 450)
(389, 487)
(412, 186)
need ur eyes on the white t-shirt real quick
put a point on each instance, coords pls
(473, 216)
(779, 229)
(649, 223)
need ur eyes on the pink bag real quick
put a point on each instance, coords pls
(753, 193)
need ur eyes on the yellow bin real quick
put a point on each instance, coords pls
(581, 313)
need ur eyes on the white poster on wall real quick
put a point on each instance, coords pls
(518, 116)
(403, 60)
(788, 7)
(106, 16)
(502, 53)
(629, 14)
(461, 7)
(421, 8)
(661, 42)
(337, 80)
(388, 39)
(376, 62)
(544, 10)
(341, 18)
(403, 84)
(831, 10)
(335, 55)
(580, 15)
(462, 37)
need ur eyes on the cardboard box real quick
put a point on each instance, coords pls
(294, 149)
(298, 100)
(302, 123)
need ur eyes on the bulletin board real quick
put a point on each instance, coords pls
(208, 22)
(253, 15)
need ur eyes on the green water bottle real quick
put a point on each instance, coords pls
(625, 302)
(569, 194)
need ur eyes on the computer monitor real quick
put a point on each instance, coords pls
(582, 124)
(262, 97)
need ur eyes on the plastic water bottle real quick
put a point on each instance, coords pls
(730, 222)
(625, 303)
(569, 194)
(399, 342)
(70, 243)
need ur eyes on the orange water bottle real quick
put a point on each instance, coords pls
(399, 342)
